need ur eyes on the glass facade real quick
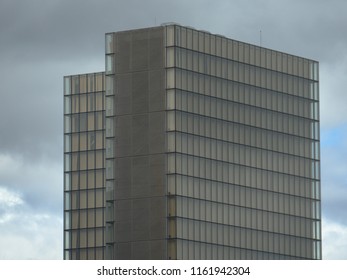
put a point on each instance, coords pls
(204, 148)
(243, 150)
(84, 168)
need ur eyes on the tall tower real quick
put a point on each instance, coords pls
(212, 148)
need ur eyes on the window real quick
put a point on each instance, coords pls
(109, 64)
(109, 43)
(67, 86)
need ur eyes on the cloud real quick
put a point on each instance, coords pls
(40, 239)
(8, 166)
(25, 233)
(334, 240)
(8, 199)
(38, 183)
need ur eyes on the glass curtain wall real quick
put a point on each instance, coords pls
(243, 150)
(84, 170)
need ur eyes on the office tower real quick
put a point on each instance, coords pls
(211, 149)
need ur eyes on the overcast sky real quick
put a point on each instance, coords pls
(41, 41)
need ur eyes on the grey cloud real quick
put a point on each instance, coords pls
(334, 240)
(303, 27)
(41, 45)
(27, 235)
(39, 184)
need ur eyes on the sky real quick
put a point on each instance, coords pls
(41, 41)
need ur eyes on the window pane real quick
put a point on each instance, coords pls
(109, 127)
(170, 36)
(109, 148)
(67, 181)
(83, 102)
(99, 159)
(75, 88)
(99, 120)
(83, 84)
(109, 106)
(91, 83)
(99, 140)
(99, 101)
(170, 99)
(109, 64)
(90, 122)
(170, 78)
(109, 85)
(109, 43)
(170, 57)
(67, 144)
(67, 124)
(99, 81)
(67, 105)
(67, 88)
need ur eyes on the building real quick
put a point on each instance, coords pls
(209, 149)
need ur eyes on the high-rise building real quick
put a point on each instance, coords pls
(192, 146)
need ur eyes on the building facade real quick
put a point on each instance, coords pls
(84, 168)
(211, 149)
